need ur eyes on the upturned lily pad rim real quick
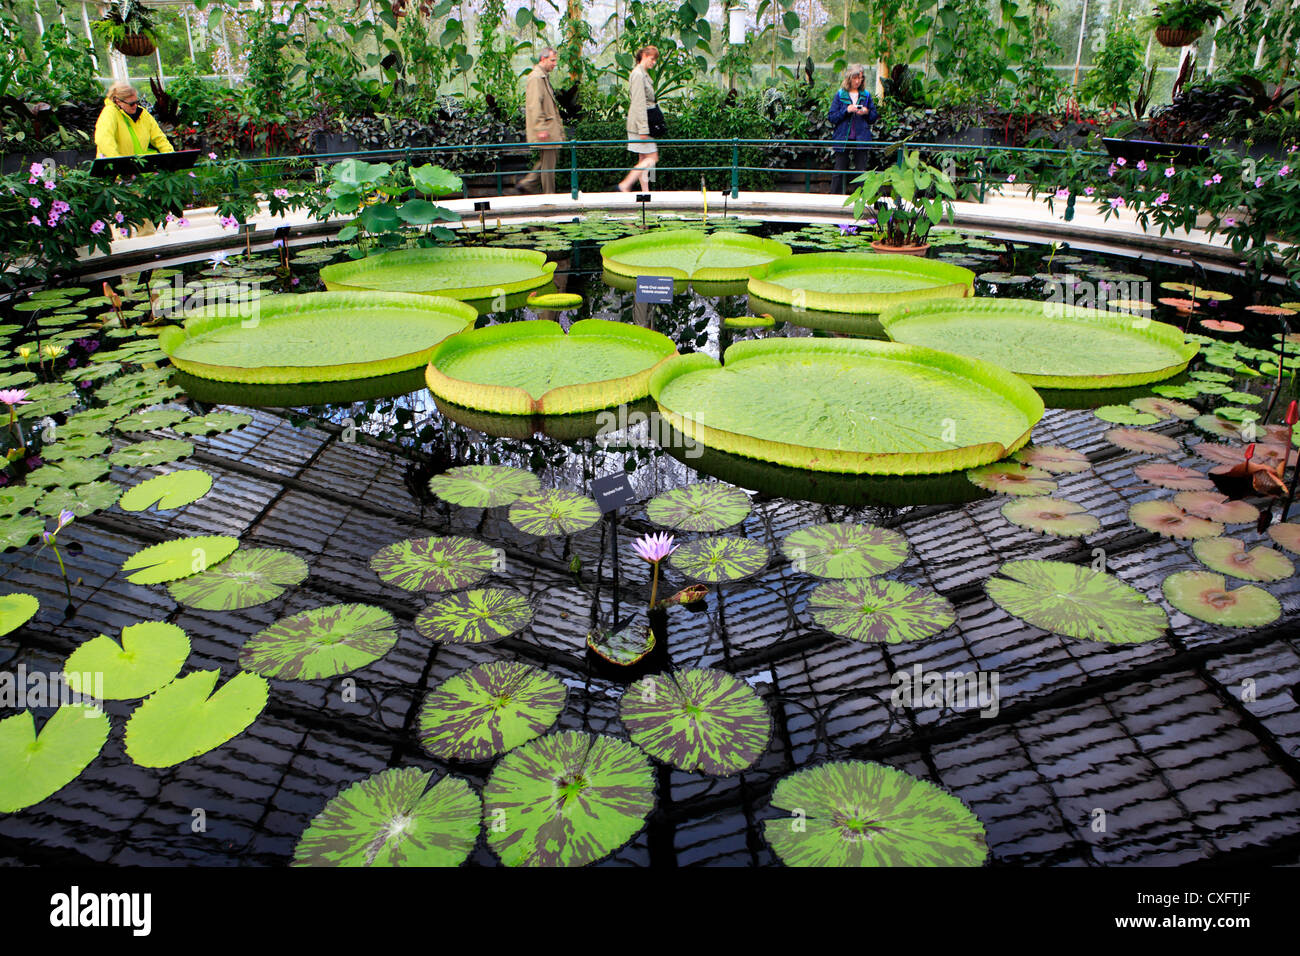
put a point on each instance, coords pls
(895, 319)
(350, 276)
(296, 307)
(777, 281)
(562, 400)
(981, 374)
(675, 241)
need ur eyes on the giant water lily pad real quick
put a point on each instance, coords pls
(554, 511)
(172, 490)
(16, 610)
(852, 282)
(1049, 344)
(535, 368)
(845, 550)
(567, 799)
(1066, 519)
(875, 610)
(475, 617)
(395, 818)
(173, 560)
(457, 272)
(315, 337)
(150, 655)
(699, 507)
(245, 579)
(719, 558)
(321, 642)
(1229, 556)
(851, 813)
(1076, 601)
(186, 719)
(1167, 519)
(686, 254)
(701, 721)
(483, 486)
(434, 563)
(489, 709)
(34, 767)
(848, 405)
(1204, 595)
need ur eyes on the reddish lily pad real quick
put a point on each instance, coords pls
(1213, 506)
(1164, 408)
(1056, 459)
(1012, 478)
(1167, 519)
(1146, 443)
(1066, 519)
(1175, 477)
(1229, 556)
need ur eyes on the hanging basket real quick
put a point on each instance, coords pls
(135, 44)
(1168, 36)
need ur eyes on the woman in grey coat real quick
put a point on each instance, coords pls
(638, 122)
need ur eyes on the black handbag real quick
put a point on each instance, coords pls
(655, 116)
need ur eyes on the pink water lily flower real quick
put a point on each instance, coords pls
(654, 547)
(14, 396)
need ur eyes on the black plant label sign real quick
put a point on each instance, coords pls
(612, 492)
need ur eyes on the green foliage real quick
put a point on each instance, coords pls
(127, 18)
(1117, 67)
(1186, 14)
(1274, 22)
(371, 191)
(680, 33)
(922, 195)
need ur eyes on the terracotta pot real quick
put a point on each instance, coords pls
(920, 250)
(1168, 36)
(135, 44)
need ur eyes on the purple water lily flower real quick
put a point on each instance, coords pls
(654, 547)
(848, 229)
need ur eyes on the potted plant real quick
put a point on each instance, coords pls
(1180, 22)
(921, 196)
(128, 26)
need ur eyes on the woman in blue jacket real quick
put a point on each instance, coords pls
(852, 112)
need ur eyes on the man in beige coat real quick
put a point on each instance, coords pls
(542, 117)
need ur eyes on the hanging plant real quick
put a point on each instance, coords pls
(129, 27)
(1179, 22)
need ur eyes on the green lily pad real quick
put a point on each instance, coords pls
(395, 818)
(18, 530)
(1216, 426)
(845, 550)
(173, 560)
(1125, 415)
(245, 579)
(213, 423)
(1076, 601)
(84, 446)
(1012, 478)
(321, 642)
(875, 610)
(454, 271)
(34, 767)
(74, 471)
(1055, 459)
(489, 709)
(1229, 556)
(1204, 595)
(567, 799)
(16, 610)
(186, 719)
(700, 721)
(483, 486)
(554, 511)
(81, 501)
(1165, 409)
(1242, 398)
(1167, 519)
(172, 490)
(1055, 516)
(685, 254)
(152, 419)
(475, 617)
(150, 656)
(434, 563)
(16, 498)
(1176, 391)
(852, 813)
(624, 646)
(720, 558)
(699, 507)
(1235, 413)
(160, 452)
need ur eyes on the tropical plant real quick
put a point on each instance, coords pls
(1185, 14)
(126, 18)
(369, 191)
(1117, 66)
(921, 197)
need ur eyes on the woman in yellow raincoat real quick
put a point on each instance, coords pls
(125, 128)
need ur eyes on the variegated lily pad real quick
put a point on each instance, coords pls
(321, 642)
(213, 423)
(1076, 601)
(150, 655)
(395, 818)
(489, 709)
(1055, 459)
(1213, 506)
(1012, 478)
(483, 486)
(1167, 519)
(1204, 595)
(852, 813)
(186, 719)
(567, 799)
(1066, 519)
(845, 550)
(475, 617)
(168, 491)
(875, 610)
(700, 507)
(720, 558)
(245, 579)
(701, 721)
(1229, 556)
(173, 560)
(434, 564)
(554, 511)
(34, 767)
(159, 452)
(1166, 475)
(1146, 443)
